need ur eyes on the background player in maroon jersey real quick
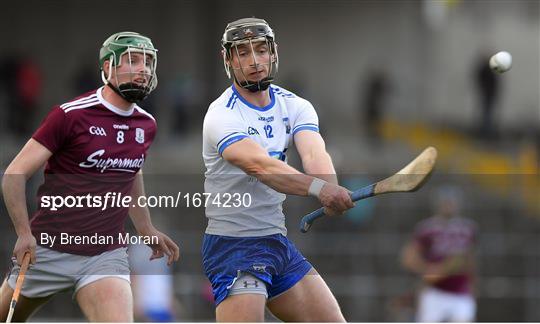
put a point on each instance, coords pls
(442, 252)
(94, 145)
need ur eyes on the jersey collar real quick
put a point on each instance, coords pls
(112, 107)
(252, 106)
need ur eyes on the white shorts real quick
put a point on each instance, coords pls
(55, 271)
(435, 305)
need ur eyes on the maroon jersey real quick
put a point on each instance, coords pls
(440, 238)
(97, 149)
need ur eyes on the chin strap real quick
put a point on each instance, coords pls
(131, 92)
(256, 87)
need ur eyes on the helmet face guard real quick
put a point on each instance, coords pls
(248, 31)
(118, 49)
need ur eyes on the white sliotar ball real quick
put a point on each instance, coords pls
(501, 62)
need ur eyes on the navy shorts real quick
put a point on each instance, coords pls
(273, 259)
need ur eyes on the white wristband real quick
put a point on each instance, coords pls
(316, 187)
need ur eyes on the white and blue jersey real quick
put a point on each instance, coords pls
(251, 238)
(231, 118)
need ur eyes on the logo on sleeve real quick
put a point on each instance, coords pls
(99, 131)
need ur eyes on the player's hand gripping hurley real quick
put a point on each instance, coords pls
(408, 179)
(18, 286)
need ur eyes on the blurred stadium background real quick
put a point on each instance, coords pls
(387, 79)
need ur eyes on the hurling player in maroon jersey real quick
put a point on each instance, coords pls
(93, 148)
(442, 252)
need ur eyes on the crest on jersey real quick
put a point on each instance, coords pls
(139, 135)
(259, 267)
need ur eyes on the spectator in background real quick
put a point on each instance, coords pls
(488, 89)
(441, 252)
(85, 79)
(375, 91)
(21, 79)
(182, 92)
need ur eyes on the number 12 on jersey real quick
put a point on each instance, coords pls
(268, 131)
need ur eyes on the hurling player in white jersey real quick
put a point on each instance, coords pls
(247, 130)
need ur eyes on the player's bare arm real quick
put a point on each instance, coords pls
(140, 216)
(430, 271)
(254, 160)
(411, 258)
(315, 159)
(31, 157)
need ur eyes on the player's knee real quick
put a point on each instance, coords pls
(330, 314)
(5, 298)
(118, 315)
(3, 312)
(122, 311)
(336, 317)
(126, 317)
